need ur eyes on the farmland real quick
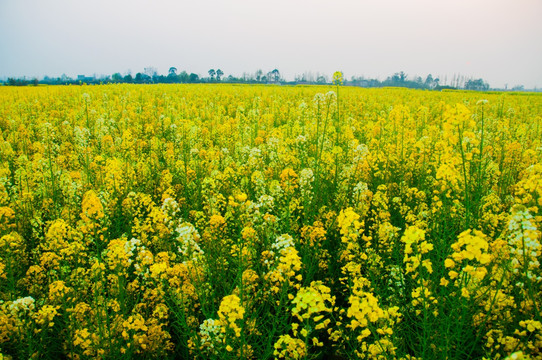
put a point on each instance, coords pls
(236, 221)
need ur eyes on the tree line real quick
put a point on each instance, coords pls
(151, 76)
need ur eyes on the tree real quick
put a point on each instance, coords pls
(321, 79)
(397, 78)
(478, 84)
(259, 75)
(172, 74)
(150, 71)
(142, 78)
(219, 73)
(116, 77)
(276, 75)
(429, 81)
(65, 78)
(193, 78)
(183, 77)
(128, 78)
(212, 74)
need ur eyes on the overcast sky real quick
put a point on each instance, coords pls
(497, 40)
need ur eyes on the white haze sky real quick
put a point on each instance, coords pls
(497, 40)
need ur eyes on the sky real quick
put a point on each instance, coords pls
(497, 40)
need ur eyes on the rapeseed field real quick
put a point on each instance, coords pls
(257, 222)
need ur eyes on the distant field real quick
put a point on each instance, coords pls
(236, 221)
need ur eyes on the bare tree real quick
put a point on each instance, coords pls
(150, 71)
(259, 75)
